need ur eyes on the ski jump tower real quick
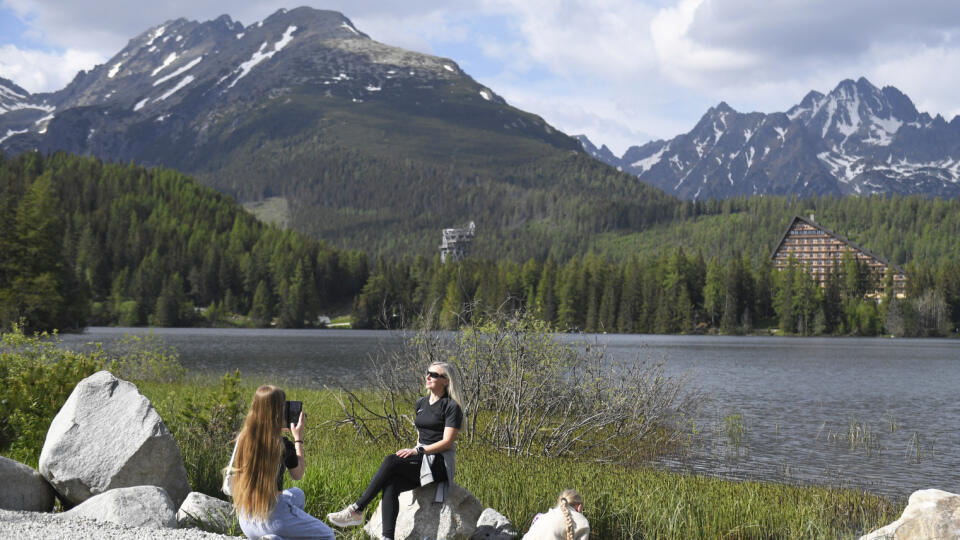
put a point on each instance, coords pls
(456, 243)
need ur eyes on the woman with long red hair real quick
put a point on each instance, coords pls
(261, 456)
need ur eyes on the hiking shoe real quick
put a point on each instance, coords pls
(348, 517)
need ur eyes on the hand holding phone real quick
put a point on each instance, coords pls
(291, 411)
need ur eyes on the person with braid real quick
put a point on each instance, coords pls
(562, 522)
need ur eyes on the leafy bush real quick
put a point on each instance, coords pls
(204, 426)
(36, 378)
(145, 358)
(528, 392)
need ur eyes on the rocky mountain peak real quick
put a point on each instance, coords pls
(182, 84)
(855, 139)
(11, 95)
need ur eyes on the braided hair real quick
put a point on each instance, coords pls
(567, 499)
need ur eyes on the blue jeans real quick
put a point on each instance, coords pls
(288, 520)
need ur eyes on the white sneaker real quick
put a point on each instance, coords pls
(348, 517)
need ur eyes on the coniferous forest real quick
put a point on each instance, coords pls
(88, 243)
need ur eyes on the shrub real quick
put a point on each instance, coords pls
(36, 378)
(145, 358)
(526, 391)
(204, 427)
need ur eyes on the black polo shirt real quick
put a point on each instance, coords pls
(431, 419)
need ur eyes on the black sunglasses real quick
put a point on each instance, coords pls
(435, 375)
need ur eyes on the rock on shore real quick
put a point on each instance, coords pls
(106, 436)
(44, 526)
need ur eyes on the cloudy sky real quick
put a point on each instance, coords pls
(621, 71)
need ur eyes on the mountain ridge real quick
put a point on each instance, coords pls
(374, 147)
(857, 139)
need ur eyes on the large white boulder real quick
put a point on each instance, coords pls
(205, 512)
(109, 436)
(140, 506)
(420, 517)
(930, 513)
(22, 488)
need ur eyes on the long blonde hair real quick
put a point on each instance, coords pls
(453, 380)
(567, 499)
(258, 456)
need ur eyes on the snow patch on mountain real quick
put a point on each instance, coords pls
(9, 92)
(348, 27)
(645, 164)
(114, 70)
(882, 130)
(157, 33)
(11, 133)
(186, 80)
(260, 55)
(171, 58)
(178, 72)
(843, 167)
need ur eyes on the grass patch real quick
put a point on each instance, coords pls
(203, 413)
(621, 502)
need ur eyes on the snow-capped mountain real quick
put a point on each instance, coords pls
(177, 86)
(857, 139)
(19, 109)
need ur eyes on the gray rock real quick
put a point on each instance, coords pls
(109, 436)
(420, 517)
(206, 512)
(22, 488)
(930, 513)
(493, 525)
(140, 506)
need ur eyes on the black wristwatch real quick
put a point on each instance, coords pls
(421, 451)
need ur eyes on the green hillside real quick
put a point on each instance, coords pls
(86, 242)
(377, 177)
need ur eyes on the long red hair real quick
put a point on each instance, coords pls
(259, 450)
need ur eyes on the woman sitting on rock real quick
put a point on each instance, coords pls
(562, 522)
(438, 420)
(261, 455)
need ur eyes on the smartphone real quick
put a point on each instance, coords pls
(291, 410)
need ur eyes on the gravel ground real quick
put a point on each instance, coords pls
(38, 525)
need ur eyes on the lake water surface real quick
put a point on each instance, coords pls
(880, 414)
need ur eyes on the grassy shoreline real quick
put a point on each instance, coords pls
(621, 502)
(204, 414)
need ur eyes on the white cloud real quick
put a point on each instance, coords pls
(685, 60)
(38, 71)
(929, 76)
(582, 38)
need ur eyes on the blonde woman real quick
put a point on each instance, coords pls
(261, 456)
(438, 421)
(562, 522)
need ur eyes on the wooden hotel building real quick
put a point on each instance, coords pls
(818, 249)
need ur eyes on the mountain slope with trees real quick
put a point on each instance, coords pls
(373, 147)
(86, 242)
(708, 270)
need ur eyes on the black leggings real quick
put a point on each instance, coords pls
(394, 476)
